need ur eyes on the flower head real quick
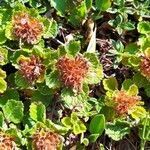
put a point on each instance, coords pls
(145, 66)
(44, 140)
(31, 68)
(27, 28)
(125, 102)
(73, 71)
(7, 142)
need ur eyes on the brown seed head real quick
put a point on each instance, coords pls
(125, 102)
(27, 28)
(145, 66)
(31, 68)
(7, 142)
(43, 140)
(72, 71)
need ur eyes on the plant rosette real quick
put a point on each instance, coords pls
(10, 139)
(73, 72)
(43, 137)
(28, 27)
(31, 70)
(124, 102)
(145, 64)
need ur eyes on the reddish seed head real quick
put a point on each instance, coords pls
(125, 102)
(72, 71)
(145, 66)
(27, 28)
(7, 142)
(46, 140)
(31, 68)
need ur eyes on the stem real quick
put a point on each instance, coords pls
(142, 144)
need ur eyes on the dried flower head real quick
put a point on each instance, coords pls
(125, 102)
(7, 142)
(27, 28)
(73, 71)
(31, 68)
(44, 140)
(145, 66)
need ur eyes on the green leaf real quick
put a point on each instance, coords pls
(1, 119)
(118, 46)
(2, 74)
(144, 42)
(95, 75)
(8, 31)
(44, 89)
(3, 85)
(46, 99)
(74, 123)
(52, 80)
(93, 137)
(110, 84)
(92, 57)
(2, 36)
(78, 14)
(85, 141)
(37, 112)
(147, 89)
(102, 5)
(117, 130)
(13, 111)
(51, 28)
(134, 61)
(132, 48)
(9, 94)
(5, 15)
(133, 90)
(147, 52)
(59, 5)
(66, 121)
(79, 127)
(73, 48)
(58, 128)
(88, 4)
(108, 112)
(3, 56)
(126, 84)
(140, 80)
(72, 99)
(97, 124)
(20, 81)
(127, 26)
(34, 3)
(144, 27)
(138, 113)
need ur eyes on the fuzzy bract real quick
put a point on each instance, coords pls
(27, 28)
(45, 140)
(73, 71)
(31, 68)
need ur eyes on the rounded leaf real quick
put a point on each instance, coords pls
(97, 124)
(13, 111)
